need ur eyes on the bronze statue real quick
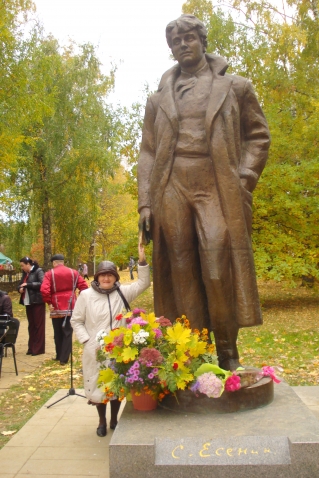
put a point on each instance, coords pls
(205, 143)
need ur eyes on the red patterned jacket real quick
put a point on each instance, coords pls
(59, 286)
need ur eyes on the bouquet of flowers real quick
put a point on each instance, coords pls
(154, 356)
(151, 354)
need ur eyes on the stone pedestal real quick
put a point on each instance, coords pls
(280, 440)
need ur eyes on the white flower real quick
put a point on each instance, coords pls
(140, 337)
(100, 336)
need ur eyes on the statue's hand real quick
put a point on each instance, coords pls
(144, 225)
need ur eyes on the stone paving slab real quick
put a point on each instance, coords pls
(26, 364)
(60, 441)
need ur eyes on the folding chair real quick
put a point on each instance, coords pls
(10, 329)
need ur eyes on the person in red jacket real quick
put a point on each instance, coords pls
(58, 290)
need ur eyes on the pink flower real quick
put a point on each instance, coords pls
(232, 383)
(164, 322)
(118, 341)
(158, 333)
(270, 372)
(137, 320)
(137, 311)
(209, 384)
(150, 355)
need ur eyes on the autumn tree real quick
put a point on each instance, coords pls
(116, 226)
(68, 149)
(15, 47)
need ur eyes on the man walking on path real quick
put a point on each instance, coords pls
(85, 272)
(131, 265)
(58, 290)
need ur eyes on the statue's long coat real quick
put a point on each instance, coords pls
(238, 138)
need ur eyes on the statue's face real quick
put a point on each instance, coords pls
(187, 47)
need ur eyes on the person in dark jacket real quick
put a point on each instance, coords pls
(6, 308)
(29, 288)
(5, 304)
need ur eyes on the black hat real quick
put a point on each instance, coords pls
(106, 267)
(57, 257)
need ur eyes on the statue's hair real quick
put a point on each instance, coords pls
(185, 23)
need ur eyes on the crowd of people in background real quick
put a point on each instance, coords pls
(58, 288)
(74, 305)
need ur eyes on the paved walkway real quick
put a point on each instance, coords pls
(61, 441)
(58, 441)
(26, 364)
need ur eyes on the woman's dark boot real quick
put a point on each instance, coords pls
(101, 429)
(115, 406)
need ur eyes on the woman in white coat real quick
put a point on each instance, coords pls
(94, 311)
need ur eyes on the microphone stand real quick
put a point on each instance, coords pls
(69, 314)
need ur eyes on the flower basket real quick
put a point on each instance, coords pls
(143, 401)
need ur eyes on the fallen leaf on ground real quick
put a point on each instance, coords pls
(8, 433)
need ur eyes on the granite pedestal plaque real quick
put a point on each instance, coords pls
(280, 440)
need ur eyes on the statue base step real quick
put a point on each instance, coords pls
(280, 440)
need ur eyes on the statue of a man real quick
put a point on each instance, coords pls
(205, 143)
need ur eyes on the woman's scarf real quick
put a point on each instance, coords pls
(97, 288)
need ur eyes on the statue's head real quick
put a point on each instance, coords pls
(185, 23)
(187, 38)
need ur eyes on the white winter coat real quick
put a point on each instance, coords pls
(91, 314)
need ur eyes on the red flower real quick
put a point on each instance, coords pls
(119, 317)
(109, 347)
(175, 365)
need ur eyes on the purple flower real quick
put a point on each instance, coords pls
(155, 371)
(134, 367)
(150, 376)
(195, 387)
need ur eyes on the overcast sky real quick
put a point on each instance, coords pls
(128, 33)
